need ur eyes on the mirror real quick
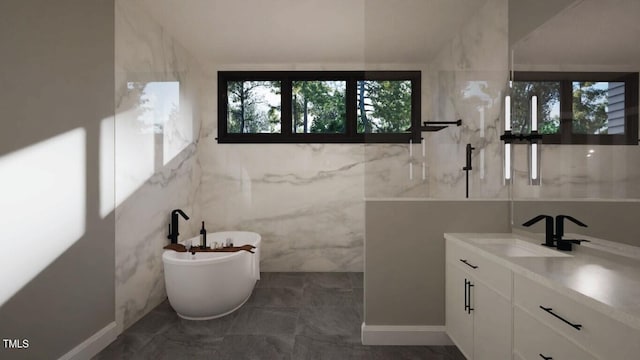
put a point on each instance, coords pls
(595, 182)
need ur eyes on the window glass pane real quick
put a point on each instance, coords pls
(598, 107)
(384, 106)
(253, 107)
(548, 94)
(319, 106)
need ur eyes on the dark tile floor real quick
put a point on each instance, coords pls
(289, 316)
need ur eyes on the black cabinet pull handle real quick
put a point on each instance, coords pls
(546, 357)
(467, 263)
(466, 304)
(470, 309)
(549, 310)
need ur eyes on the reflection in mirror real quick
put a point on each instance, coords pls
(548, 109)
(596, 181)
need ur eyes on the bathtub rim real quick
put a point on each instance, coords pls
(170, 256)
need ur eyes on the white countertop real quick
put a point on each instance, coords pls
(607, 281)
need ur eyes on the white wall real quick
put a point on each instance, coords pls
(57, 260)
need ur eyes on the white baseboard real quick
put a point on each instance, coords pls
(404, 335)
(93, 345)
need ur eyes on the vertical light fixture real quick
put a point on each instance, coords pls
(534, 159)
(507, 142)
(410, 159)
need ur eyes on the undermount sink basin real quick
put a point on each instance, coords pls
(516, 248)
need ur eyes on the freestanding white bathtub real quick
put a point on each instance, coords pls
(209, 285)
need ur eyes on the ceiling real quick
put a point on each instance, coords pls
(588, 33)
(312, 31)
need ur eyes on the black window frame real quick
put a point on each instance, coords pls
(566, 79)
(351, 134)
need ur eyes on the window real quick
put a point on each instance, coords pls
(578, 108)
(318, 106)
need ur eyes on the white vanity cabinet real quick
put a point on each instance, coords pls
(498, 306)
(571, 329)
(478, 307)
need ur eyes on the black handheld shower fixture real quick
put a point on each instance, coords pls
(468, 166)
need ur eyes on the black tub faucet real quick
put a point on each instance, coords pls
(548, 233)
(173, 227)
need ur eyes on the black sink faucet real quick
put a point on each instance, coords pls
(560, 225)
(549, 236)
(563, 244)
(173, 227)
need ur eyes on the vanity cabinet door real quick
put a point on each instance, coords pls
(459, 320)
(478, 304)
(594, 330)
(492, 324)
(534, 340)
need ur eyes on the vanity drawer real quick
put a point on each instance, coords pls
(600, 334)
(532, 340)
(485, 270)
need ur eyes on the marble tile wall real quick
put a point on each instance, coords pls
(466, 80)
(596, 172)
(580, 172)
(586, 171)
(156, 132)
(306, 200)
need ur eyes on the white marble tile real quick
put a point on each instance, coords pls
(155, 155)
(307, 201)
(580, 171)
(392, 172)
(466, 80)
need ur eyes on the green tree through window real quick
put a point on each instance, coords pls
(252, 108)
(320, 106)
(384, 106)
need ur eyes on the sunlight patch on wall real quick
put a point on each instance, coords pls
(107, 149)
(43, 206)
(134, 144)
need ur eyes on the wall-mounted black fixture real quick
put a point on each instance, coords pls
(511, 138)
(438, 125)
(533, 139)
(468, 166)
(173, 227)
